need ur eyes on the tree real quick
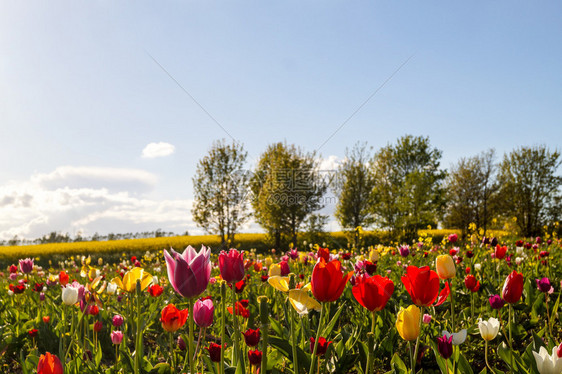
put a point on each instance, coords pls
(530, 186)
(353, 186)
(286, 188)
(471, 192)
(408, 185)
(220, 188)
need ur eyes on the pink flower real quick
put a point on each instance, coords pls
(117, 320)
(26, 265)
(116, 337)
(284, 268)
(203, 312)
(427, 318)
(189, 272)
(453, 238)
(231, 265)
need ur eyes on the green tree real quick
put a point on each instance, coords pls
(287, 188)
(408, 185)
(530, 186)
(471, 192)
(353, 187)
(220, 189)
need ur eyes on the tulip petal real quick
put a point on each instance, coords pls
(443, 294)
(279, 283)
(171, 266)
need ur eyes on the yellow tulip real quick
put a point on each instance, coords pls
(303, 302)
(279, 283)
(445, 267)
(274, 270)
(374, 255)
(408, 323)
(129, 283)
(268, 261)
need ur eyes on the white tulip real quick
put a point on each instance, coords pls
(10, 293)
(518, 260)
(154, 279)
(458, 337)
(548, 364)
(111, 288)
(70, 295)
(477, 267)
(489, 329)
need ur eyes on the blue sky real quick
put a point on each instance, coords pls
(81, 96)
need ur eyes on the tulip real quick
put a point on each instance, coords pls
(252, 337)
(231, 265)
(453, 238)
(323, 345)
(63, 278)
(189, 273)
(496, 302)
(548, 364)
(173, 318)
(49, 364)
(116, 337)
(489, 329)
(203, 312)
(279, 283)
(445, 346)
(372, 292)
(214, 351)
(544, 285)
(513, 287)
(70, 295)
(117, 320)
(181, 344)
(404, 250)
(500, 252)
(111, 288)
(374, 255)
(328, 280)
(13, 269)
(98, 325)
(445, 266)
(129, 282)
(302, 302)
(423, 286)
(408, 323)
(255, 357)
(458, 337)
(285, 270)
(46, 319)
(155, 290)
(427, 318)
(26, 266)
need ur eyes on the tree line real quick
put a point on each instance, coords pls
(400, 188)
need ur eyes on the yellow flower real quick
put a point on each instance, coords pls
(303, 302)
(374, 255)
(274, 269)
(268, 261)
(445, 267)
(408, 323)
(129, 283)
(279, 283)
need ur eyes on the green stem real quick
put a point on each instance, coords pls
(548, 319)
(412, 364)
(486, 357)
(172, 351)
(370, 340)
(417, 344)
(452, 309)
(191, 349)
(138, 331)
(238, 356)
(264, 318)
(510, 341)
(311, 371)
(223, 324)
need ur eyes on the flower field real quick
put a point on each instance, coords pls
(481, 306)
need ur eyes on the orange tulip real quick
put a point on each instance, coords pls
(49, 364)
(328, 280)
(173, 318)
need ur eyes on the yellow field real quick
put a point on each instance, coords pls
(243, 241)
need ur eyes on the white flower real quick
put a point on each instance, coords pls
(10, 292)
(518, 260)
(154, 279)
(458, 337)
(488, 329)
(111, 288)
(70, 295)
(548, 364)
(519, 250)
(477, 267)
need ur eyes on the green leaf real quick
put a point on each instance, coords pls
(286, 350)
(328, 329)
(398, 365)
(161, 368)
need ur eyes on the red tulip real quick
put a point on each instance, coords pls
(252, 337)
(255, 357)
(214, 351)
(49, 364)
(322, 346)
(324, 253)
(328, 280)
(423, 286)
(241, 309)
(173, 318)
(231, 265)
(513, 287)
(471, 283)
(500, 252)
(372, 292)
(155, 290)
(63, 278)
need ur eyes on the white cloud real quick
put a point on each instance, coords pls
(331, 163)
(89, 200)
(160, 149)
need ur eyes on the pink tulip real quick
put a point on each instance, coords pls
(189, 272)
(117, 320)
(116, 337)
(231, 265)
(203, 312)
(26, 265)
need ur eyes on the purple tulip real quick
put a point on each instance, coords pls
(181, 344)
(26, 265)
(42, 296)
(404, 250)
(544, 285)
(285, 270)
(496, 302)
(231, 265)
(445, 346)
(189, 272)
(203, 312)
(293, 254)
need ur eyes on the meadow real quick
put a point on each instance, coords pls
(437, 305)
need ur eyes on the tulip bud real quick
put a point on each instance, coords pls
(98, 326)
(69, 295)
(408, 323)
(445, 346)
(117, 320)
(488, 329)
(427, 318)
(116, 337)
(203, 312)
(181, 344)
